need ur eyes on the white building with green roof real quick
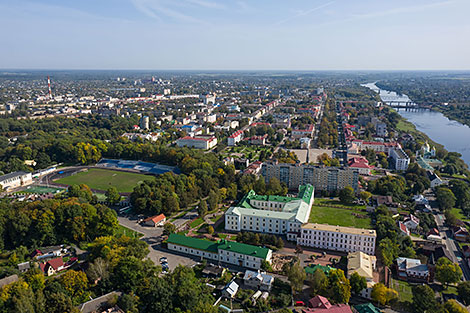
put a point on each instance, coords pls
(230, 252)
(271, 214)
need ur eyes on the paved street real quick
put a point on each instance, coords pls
(451, 245)
(152, 236)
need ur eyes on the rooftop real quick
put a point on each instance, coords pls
(340, 229)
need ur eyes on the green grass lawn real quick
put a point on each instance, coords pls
(406, 126)
(102, 179)
(404, 290)
(122, 230)
(458, 213)
(338, 216)
(41, 190)
(196, 222)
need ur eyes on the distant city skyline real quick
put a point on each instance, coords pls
(235, 34)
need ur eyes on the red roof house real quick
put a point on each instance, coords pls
(155, 221)
(319, 304)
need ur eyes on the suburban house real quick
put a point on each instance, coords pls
(412, 270)
(8, 280)
(460, 233)
(412, 222)
(223, 250)
(364, 265)
(435, 179)
(213, 271)
(230, 290)
(319, 304)
(258, 280)
(403, 229)
(101, 304)
(365, 308)
(154, 221)
(52, 266)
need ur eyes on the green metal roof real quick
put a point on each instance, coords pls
(305, 194)
(223, 244)
(311, 269)
(194, 243)
(366, 308)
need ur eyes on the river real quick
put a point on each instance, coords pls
(453, 135)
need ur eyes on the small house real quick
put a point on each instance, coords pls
(230, 290)
(154, 221)
(258, 280)
(52, 266)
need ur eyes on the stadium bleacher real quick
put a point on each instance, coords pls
(144, 167)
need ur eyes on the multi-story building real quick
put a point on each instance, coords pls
(401, 159)
(271, 214)
(198, 142)
(230, 252)
(307, 132)
(144, 122)
(336, 238)
(322, 178)
(235, 137)
(15, 179)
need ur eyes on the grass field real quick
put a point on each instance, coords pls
(343, 216)
(122, 230)
(458, 213)
(196, 222)
(101, 179)
(404, 290)
(41, 190)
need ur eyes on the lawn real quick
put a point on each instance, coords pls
(41, 190)
(406, 126)
(196, 222)
(458, 213)
(339, 216)
(122, 230)
(102, 179)
(404, 290)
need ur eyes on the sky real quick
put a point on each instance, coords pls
(235, 34)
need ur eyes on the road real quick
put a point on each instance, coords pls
(152, 236)
(451, 245)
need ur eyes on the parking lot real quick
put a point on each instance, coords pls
(152, 236)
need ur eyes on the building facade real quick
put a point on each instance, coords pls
(198, 142)
(230, 252)
(322, 178)
(271, 214)
(400, 158)
(15, 179)
(338, 238)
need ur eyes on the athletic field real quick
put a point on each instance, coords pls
(101, 179)
(40, 190)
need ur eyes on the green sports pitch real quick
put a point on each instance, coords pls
(101, 179)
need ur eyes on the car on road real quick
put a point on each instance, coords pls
(299, 303)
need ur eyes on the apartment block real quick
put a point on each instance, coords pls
(322, 178)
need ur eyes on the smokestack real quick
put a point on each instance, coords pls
(49, 85)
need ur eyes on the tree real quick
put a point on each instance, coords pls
(347, 195)
(339, 288)
(383, 295)
(318, 282)
(365, 195)
(446, 198)
(112, 195)
(76, 284)
(424, 299)
(463, 290)
(453, 307)
(296, 276)
(447, 272)
(169, 228)
(213, 200)
(358, 283)
(388, 251)
(202, 208)
(210, 230)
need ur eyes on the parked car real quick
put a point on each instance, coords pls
(163, 259)
(299, 303)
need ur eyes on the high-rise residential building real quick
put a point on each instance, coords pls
(145, 122)
(271, 214)
(322, 178)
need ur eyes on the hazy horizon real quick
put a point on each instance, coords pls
(235, 35)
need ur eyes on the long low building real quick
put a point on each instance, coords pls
(338, 238)
(271, 214)
(198, 142)
(15, 179)
(230, 252)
